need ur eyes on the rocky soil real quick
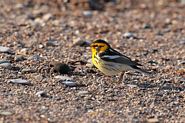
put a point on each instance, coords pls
(46, 73)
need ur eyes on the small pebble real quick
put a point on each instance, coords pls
(27, 70)
(153, 62)
(159, 33)
(69, 83)
(52, 43)
(40, 46)
(47, 16)
(23, 51)
(39, 21)
(132, 85)
(146, 26)
(19, 6)
(152, 120)
(5, 64)
(4, 61)
(82, 93)
(182, 41)
(30, 17)
(15, 68)
(181, 62)
(5, 113)
(19, 58)
(61, 68)
(168, 21)
(55, 22)
(34, 58)
(96, 5)
(4, 49)
(19, 81)
(41, 94)
(63, 77)
(153, 50)
(87, 13)
(129, 35)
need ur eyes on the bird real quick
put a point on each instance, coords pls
(111, 62)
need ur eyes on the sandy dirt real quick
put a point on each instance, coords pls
(36, 35)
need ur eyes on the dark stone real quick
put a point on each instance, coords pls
(61, 68)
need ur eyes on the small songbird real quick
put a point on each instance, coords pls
(111, 62)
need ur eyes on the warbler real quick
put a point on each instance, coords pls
(111, 62)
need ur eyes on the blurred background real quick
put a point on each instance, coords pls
(93, 4)
(96, 4)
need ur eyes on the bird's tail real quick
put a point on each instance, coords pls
(145, 72)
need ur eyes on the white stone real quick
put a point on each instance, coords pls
(4, 49)
(19, 81)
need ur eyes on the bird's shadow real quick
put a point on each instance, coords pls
(161, 85)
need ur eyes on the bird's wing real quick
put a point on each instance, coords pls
(112, 55)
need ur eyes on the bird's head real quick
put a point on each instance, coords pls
(99, 46)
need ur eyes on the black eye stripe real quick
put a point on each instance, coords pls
(97, 46)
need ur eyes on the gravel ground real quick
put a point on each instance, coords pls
(39, 41)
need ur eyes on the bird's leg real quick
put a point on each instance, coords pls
(113, 79)
(121, 77)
